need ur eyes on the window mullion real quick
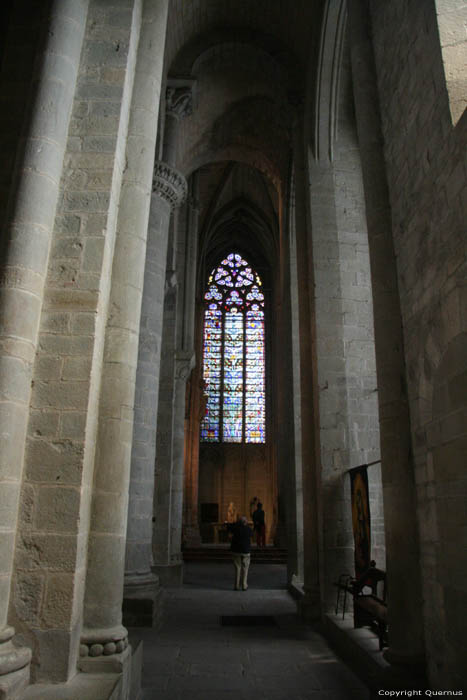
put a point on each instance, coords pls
(244, 380)
(221, 393)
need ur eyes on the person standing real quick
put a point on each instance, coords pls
(240, 548)
(260, 525)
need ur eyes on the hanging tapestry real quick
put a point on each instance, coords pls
(360, 518)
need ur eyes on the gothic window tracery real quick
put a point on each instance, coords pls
(234, 354)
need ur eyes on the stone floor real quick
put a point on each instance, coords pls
(193, 657)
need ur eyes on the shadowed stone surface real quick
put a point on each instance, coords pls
(194, 656)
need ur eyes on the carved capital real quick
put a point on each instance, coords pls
(184, 363)
(169, 184)
(179, 100)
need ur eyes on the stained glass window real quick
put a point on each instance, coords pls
(233, 354)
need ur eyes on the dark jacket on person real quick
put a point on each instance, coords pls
(241, 538)
(258, 518)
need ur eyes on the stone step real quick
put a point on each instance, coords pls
(269, 555)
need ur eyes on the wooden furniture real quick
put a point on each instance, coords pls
(370, 608)
(344, 586)
(369, 597)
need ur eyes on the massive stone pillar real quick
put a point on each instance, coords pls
(141, 584)
(402, 551)
(168, 192)
(103, 635)
(25, 252)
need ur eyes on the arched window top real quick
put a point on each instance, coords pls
(233, 354)
(234, 283)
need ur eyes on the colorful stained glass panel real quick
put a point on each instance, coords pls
(212, 372)
(232, 424)
(254, 376)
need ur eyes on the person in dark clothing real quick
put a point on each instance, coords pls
(259, 525)
(240, 548)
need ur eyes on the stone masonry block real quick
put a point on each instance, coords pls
(93, 125)
(47, 368)
(107, 53)
(52, 551)
(89, 281)
(68, 247)
(93, 254)
(55, 322)
(67, 345)
(70, 299)
(58, 603)
(86, 201)
(28, 594)
(102, 144)
(67, 224)
(57, 509)
(90, 161)
(27, 505)
(63, 272)
(43, 423)
(76, 368)
(72, 425)
(83, 323)
(99, 179)
(57, 461)
(93, 91)
(62, 394)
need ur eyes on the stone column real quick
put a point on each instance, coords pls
(175, 370)
(168, 483)
(310, 605)
(295, 562)
(195, 408)
(187, 249)
(184, 362)
(402, 551)
(141, 584)
(103, 635)
(25, 251)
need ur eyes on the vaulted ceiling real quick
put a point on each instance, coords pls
(289, 22)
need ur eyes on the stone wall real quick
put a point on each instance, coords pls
(347, 385)
(426, 169)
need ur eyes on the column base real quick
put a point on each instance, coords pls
(310, 607)
(142, 601)
(115, 663)
(170, 575)
(14, 666)
(13, 685)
